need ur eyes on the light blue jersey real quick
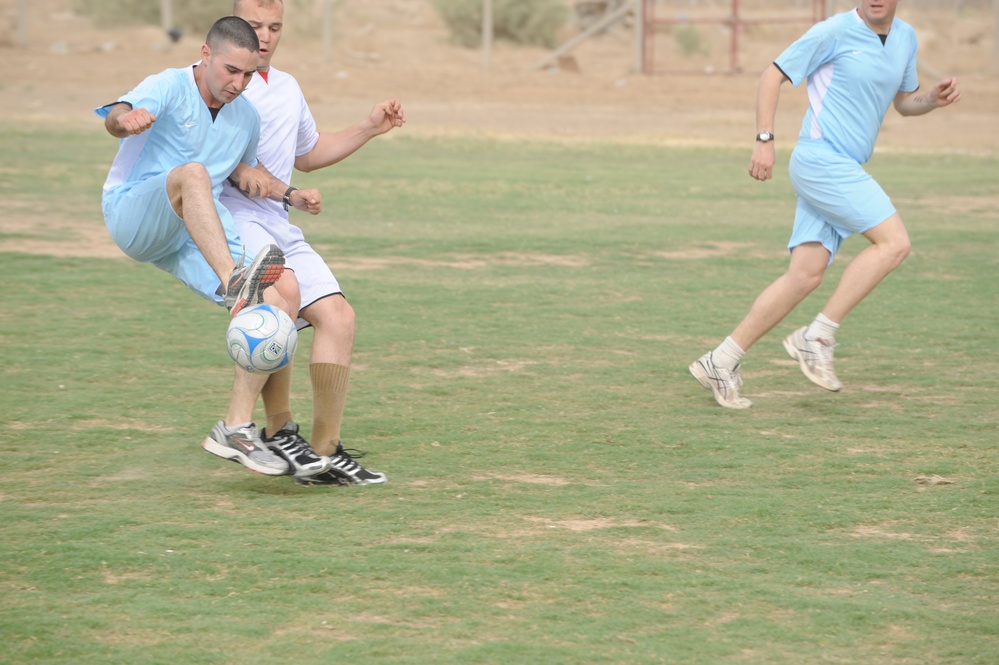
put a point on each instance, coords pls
(137, 211)
(183, 132)
(852, 79)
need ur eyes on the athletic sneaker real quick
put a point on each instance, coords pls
(244, 446)
(815, 357)
(723, 383)
(344, 471)
(247, 283)
(295, 450)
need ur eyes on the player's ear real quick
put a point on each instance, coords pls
(206, 53)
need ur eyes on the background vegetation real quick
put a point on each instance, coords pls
(534, 22)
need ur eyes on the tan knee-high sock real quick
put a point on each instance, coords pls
(277, 400)
(329, 396)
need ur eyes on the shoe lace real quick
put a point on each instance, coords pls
(735, 378)
(352, 453)
(292, 443)
(822, 349)
(249, 431)
(344, 462)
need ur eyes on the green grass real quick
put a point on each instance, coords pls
(561, 491)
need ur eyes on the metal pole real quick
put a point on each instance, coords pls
(22, 22)
(487, 33)
(166, 14)
(639, 10)
(995, 38)
(328, 30)
(735, 26)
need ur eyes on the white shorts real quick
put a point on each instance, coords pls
(144, 225)
(315, 279)
(836, 197)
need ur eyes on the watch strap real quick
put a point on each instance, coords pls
(287, 197)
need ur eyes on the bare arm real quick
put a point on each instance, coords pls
(761, 164)
(335, 147)
(122, 120)
(258, 182)
(943, 93)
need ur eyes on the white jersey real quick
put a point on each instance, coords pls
(287, 131)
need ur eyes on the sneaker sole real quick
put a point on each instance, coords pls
(265, 270)
(309, 482)
(344, 480)
(698, 372)
(792, 351)
(215, 448)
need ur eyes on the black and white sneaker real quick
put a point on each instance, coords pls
(289, 444)
(344, 470)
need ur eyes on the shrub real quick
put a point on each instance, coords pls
(532, 22)
(196, 16)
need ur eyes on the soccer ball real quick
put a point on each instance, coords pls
(261, 338)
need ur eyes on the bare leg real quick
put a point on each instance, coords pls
(246, 386)
(889, 247)
(333, 319)
(804, 274)
(190, 190)
(276, 392)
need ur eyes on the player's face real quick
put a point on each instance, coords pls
(267, 20)
(878, 13)
(228, 71)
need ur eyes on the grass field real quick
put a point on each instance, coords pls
(560, 489)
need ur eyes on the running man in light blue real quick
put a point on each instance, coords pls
(856, 65)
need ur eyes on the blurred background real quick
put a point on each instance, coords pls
(687, 73)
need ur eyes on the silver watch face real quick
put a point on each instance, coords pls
(764, 136)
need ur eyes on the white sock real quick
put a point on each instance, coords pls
(728, 354)
(822, 328)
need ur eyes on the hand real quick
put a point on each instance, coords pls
(945, 92)
(136, 121)
(761, 165)
(251, 181)
(386, 115)
(307, 200)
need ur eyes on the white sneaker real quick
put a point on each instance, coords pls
(243, 445)
(815, 357)
(724, 384)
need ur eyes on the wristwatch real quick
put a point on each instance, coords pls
(287, 197)
(764, 137)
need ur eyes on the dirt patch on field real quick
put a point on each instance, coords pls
(400, 48)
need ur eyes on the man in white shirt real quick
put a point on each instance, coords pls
(289, 140)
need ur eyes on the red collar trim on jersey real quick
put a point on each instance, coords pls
(263, 75)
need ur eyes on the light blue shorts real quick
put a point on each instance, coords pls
(836, 197)
(144, 225)
(260, 228)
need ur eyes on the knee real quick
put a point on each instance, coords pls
(806, 280)
(192, 173)
(899, 250)
(287, 288)
(333, 313)
(343, 313)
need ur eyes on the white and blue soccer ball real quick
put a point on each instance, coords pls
(261, 338)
